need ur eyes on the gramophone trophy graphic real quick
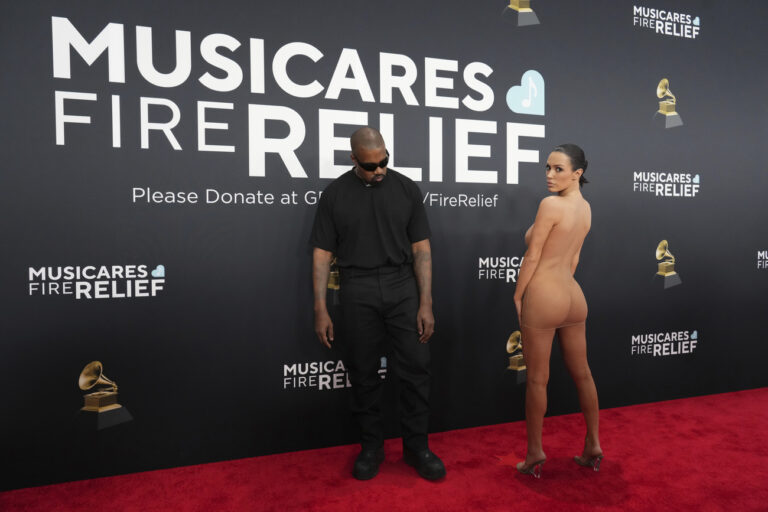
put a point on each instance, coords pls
(667, 106)
(334, 282)
(334, 279)
(516, 360)
(101, 404)
(525, 15)
(667, 265)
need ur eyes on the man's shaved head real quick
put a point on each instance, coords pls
(366, 138)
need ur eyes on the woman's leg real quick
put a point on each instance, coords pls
(573, 342)
(537, 346)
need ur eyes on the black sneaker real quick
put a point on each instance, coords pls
(367, 464)
(427, 464)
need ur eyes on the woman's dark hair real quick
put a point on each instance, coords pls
(578, 161)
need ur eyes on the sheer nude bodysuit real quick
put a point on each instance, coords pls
(553, 299)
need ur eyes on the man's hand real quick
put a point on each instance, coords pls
(324, 327)
(425, 323)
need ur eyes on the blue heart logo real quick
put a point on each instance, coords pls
(159, 271)
(696, 21)
(695, 335)
(528, 97)
(696, 179)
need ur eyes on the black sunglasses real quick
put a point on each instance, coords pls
(370, 167)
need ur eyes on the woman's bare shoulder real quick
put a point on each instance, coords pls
(552, 202)
(551, 207)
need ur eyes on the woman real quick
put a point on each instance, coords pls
(548, 299)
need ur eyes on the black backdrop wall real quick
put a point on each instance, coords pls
(114, 113)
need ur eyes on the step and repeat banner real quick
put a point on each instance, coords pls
(162, 163)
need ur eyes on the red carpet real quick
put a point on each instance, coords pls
(697, 454)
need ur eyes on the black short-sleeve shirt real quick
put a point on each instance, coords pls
(370, 226)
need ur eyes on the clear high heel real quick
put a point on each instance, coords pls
(590, 462)
(533, 469)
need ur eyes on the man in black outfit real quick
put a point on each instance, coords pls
(373, 219)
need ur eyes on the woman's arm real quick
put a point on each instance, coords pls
(546, 218)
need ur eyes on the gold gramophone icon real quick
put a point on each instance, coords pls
(516, 360)
(667, 265)
(525, 15)
(667, 106)
(105, 397)
(334, 280)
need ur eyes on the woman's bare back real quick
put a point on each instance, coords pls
(553, 298)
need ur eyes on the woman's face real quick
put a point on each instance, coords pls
(560, 172)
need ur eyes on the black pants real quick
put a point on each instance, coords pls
(377, 307)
